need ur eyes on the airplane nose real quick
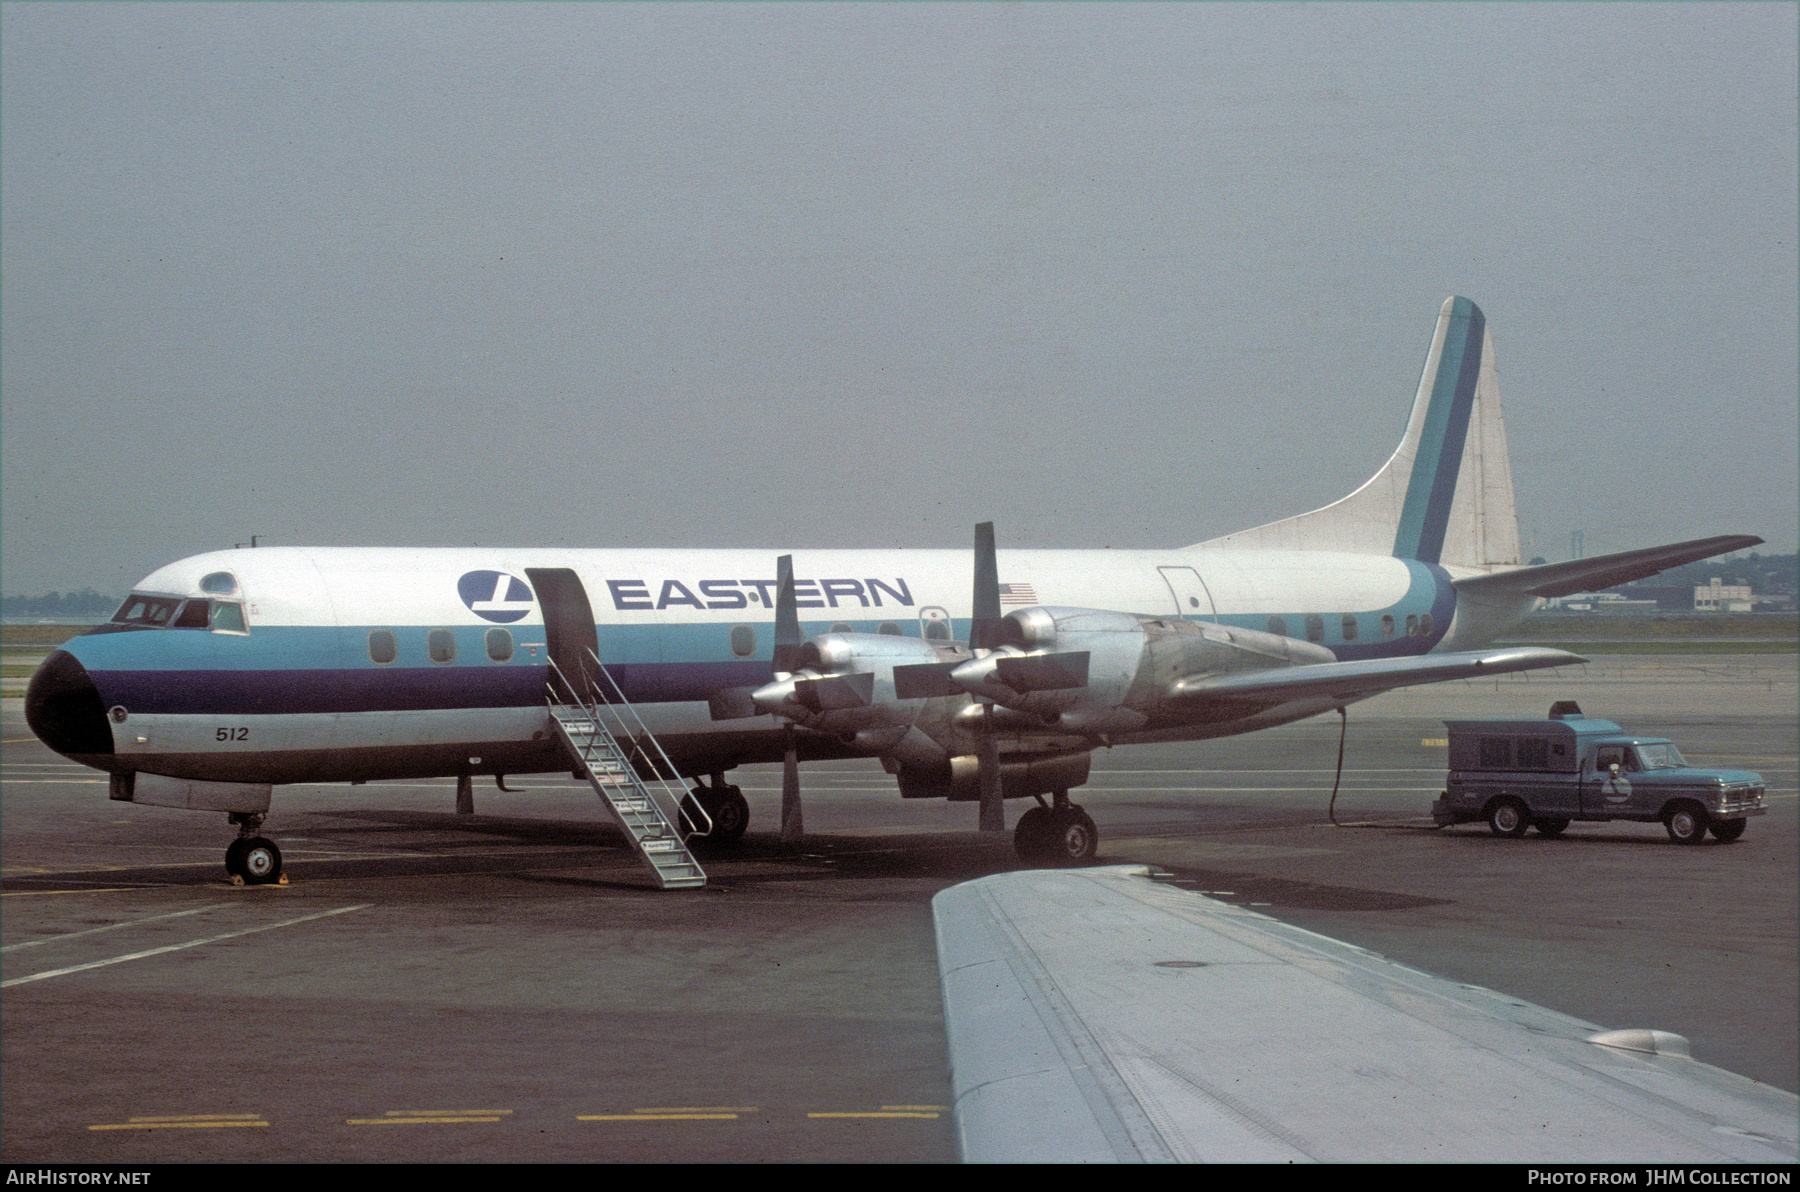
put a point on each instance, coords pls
(64, 709)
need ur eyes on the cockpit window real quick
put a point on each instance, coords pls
(219, 583)
(151, 611)
(193, 615)
(228, 617)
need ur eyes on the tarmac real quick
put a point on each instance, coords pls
(507, 986)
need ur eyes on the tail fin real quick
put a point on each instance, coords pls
(1446, 494)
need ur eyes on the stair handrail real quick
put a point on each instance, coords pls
(643, 734)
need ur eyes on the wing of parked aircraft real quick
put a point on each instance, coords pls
(1095, 1015)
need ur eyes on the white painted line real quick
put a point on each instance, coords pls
(69, 935)
(94, 964)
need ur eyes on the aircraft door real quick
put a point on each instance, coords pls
(1191, 596)
(569, 631)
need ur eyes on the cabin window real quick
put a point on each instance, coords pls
(842, 627)
(219, 583)
(152, 611)
(1424, 624)
(1278, 626)
(937, 631)
(743, 641)
(440, 645)
(1387, 625)
(193, 615)
(1315, 628)
(500, 645)
(889, 628)
(1412, 625)
(1349, 626)
(383, 646)
(228, 617)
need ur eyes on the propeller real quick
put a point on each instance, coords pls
(789, 645)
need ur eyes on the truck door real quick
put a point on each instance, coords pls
(1601, 793)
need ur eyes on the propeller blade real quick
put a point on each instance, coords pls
(835, 692)
(793, 826)
(731, 703)
(1044, 672)
(787, 618)
(925, 680)
(986, 629)
(987, 759)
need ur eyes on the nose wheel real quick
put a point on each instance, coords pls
(254, 860)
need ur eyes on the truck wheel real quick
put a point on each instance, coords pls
(1550, 827)
(1507, 817)
(1686, 823)
(1726, 831)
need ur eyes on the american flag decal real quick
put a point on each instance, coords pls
(1017, 594)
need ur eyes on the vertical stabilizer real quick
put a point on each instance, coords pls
(1445, 496)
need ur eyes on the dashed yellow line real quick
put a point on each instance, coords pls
(187, 1121)
(430, 1117)
(882, 1113)
(656, 1117)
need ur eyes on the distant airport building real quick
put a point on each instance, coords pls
(1721, 597)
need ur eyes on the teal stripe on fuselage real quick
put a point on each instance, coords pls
(1425, 515)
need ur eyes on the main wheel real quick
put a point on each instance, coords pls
(1031, 836)
(1726, 831)
(1507, 818)
(261, 862)
(730, 813)
(1550, 827)
(1073, 838)
(1686, 823)
(234, 856)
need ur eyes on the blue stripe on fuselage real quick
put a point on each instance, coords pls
(1425, 515)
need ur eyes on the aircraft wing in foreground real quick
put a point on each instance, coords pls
(1097, 1016)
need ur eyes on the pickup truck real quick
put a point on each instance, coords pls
(1547, 774)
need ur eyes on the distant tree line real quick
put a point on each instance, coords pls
(84, 603)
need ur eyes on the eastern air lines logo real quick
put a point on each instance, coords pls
(495, 595)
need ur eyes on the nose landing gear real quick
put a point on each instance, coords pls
(253, 860)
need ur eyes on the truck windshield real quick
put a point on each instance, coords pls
(1660, 757)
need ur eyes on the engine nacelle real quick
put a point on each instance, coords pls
(845, 684)
(959, 780)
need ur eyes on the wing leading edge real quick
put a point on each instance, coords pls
(1096, 1016)
(1357, 680)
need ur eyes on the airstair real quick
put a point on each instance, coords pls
(611, 746)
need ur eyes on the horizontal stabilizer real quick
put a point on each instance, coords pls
(1601, 571)
(1044, 672)
(1354, 680)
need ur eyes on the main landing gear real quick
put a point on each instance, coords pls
(724, 804)
(1060, 834)
(253, 860)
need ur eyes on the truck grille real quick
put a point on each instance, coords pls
(1741, 798)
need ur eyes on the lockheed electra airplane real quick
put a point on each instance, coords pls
(228, 673)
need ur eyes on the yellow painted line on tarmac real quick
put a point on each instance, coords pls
(918, 1108)
(187, 1121)
(443, 1112)
(1434, 740)
(415, 1121)
(656, 1117)
(88, 890)
(884, 1113)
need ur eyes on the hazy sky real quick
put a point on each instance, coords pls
(864, 274)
